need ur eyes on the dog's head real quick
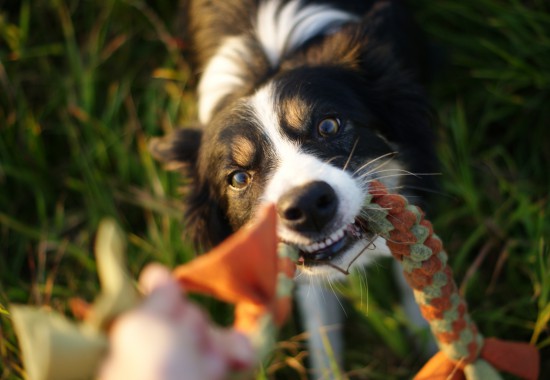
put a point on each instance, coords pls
(308, 138)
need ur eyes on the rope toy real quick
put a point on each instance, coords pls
(464, 352)
(253, 271)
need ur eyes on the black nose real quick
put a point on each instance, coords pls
(308, 208)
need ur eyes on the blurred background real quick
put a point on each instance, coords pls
(84, 84)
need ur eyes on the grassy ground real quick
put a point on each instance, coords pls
(83, 85)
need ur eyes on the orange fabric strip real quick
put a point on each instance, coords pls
(230, 271)
(242, 270)
(440, 367)
(519, 359)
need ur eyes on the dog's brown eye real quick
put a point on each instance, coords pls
(239, 180)
(328, 127)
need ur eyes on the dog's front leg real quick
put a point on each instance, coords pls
(322, 315)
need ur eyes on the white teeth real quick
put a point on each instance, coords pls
(335, 236)
(351, 229)
(325, 243)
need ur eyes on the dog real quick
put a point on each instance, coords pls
(302, 104)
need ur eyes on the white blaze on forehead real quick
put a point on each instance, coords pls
(282, 28)
(223, 75)
(295, 167)
(279, 29)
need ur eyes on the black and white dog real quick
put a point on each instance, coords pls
(302, 104)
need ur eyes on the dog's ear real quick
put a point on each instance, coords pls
(179, 149)
(206, 224)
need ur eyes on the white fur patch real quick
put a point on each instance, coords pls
(296, 167)
(282, 28)
(279, 29)
(223, 75)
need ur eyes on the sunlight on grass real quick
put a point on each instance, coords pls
(84, 85)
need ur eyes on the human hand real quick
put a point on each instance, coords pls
(169, 338)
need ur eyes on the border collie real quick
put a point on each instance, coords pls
(302, 104)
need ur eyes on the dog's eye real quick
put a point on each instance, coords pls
(239, 179)
(328, 127)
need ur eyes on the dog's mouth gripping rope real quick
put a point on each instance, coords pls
(253, 271)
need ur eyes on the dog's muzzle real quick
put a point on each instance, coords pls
(311, 210)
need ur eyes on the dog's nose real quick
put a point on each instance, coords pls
(308, 208)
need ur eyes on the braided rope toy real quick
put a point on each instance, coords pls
(464, 352)
(253, 271)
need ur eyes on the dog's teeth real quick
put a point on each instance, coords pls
(351, 229)
(336, 236)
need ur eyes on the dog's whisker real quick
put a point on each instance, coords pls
(393, 176)
(362, 175)
(322, 288)
(429, 190)
(395, 188)
(351, 154)
(310, 287)
(398, 171)
(362, 167)
(330, 283)
(300, 273)
(406, 172)
(332, 159)
(402, 173)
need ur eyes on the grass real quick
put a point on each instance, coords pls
(83, 85)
